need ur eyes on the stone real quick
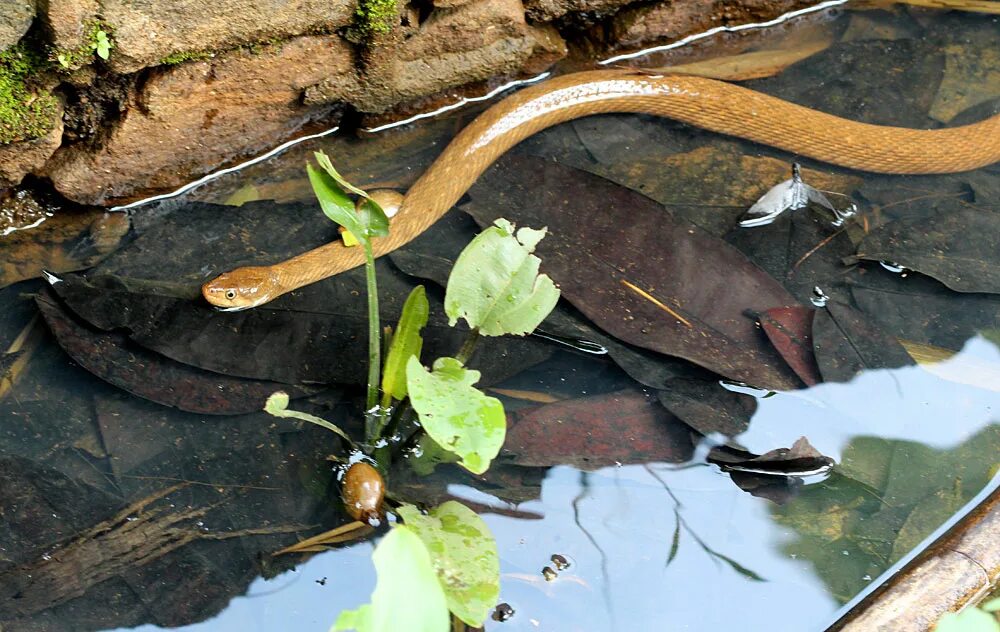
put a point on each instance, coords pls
(148, 32)
(453, 46)
(15, 18)
(673, 20)
(20, 158)
(192, 118)
(547, 10)
(66, 20)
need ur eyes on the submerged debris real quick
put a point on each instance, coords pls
(792, 195)
(800, 460)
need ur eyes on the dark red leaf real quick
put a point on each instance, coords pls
(790, 331)
(623, 427)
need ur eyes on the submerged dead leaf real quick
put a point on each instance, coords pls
(755, 65)
(113, 358)
(639, 273)
(959, 247)
(971, 73)
(591, 432)
(790, 331)
(847, 342)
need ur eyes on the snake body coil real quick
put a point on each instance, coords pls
(705, 103)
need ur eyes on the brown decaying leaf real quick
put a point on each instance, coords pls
(755, 65)
(800, 460)
(847, 342)
(622, 427)
(960, 248)
(790, 331)
(113, 358)
(604, 239)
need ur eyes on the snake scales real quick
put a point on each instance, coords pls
(705, 103)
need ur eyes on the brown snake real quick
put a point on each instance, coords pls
(705, 103)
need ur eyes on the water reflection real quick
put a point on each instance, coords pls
(662, 546)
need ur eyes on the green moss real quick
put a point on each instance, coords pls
(183, 56)
(376, 17)
(24, 112)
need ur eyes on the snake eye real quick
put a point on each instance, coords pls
(230, 294)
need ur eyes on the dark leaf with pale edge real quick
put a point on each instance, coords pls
(790, 331)
(800, 460)
(642, 275)
(960, 248)
(313, 336)
(708, 407)
(919, 308)
(623, 427)
(847, 342)
(115, 359)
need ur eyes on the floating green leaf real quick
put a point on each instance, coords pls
(407, 593)
(277, 405)
(406, 343)
(495, 285)
(455, 414)
(971, 620)
(464, 554)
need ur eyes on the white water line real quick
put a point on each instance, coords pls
(216, 174)
(485, 97)
(725, 29)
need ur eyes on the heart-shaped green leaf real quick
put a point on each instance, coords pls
(464, 555)
(455, 414)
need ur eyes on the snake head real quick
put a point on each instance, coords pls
(241, 289)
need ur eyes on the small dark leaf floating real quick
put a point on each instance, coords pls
(708, 407)
(960, 248)
(921, 309)
(790, 331)
(847, 342)
(314, 336)
(591, 432)
(642, 275)
(113, 358)
(800, 460)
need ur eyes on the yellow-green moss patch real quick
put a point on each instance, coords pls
(25, 113)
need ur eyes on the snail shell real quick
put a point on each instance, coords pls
(363, 491)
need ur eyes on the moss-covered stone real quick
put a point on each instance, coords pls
(376, 17)
(25, 111)
(183, 56)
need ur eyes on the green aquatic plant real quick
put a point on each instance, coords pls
(445, 559)
(981, 619)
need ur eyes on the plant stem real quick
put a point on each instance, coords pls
(374, 333)
(468, 346)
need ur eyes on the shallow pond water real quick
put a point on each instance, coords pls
(122, 513)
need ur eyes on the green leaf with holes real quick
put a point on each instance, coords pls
(495, 285)
(407, 596)
(458, 416)
(464, 555)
